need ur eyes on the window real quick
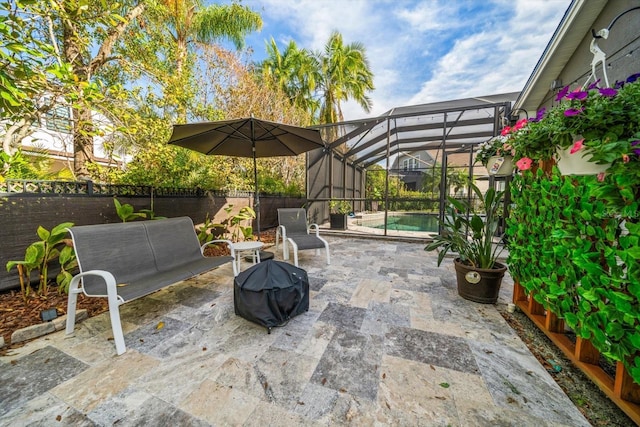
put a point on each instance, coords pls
(410, 163)
(59, 119)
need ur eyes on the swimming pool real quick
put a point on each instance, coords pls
(402, 221)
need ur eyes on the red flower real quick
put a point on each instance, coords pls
(577, 146)
(524, 163)
(519, 124)
(505, 131)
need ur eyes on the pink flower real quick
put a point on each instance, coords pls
(577, 146)
(524, 163)
(519, 124)
(601, 176)
(505, 131)
(625, 158)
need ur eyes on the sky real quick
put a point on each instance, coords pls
(420, 51)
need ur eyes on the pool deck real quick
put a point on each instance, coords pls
(387, 341)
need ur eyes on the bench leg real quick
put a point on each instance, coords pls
(72, 303)
(114, 315)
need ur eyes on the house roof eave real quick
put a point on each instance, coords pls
(576, 22)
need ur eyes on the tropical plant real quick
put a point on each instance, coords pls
(127, 212)
(234, 227)
(344, 75)
(295, 72)
(341, 207)
(68, 262)
(38, 255)
(468, 233)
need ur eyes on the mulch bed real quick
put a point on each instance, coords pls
(17, 313)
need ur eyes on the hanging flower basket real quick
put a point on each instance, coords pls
(578, 162)
(500, 165)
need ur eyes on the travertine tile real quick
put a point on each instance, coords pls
(100, 382)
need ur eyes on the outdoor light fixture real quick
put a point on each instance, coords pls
(599, 57)
(48, 314)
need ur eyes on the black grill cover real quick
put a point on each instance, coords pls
(270, 293)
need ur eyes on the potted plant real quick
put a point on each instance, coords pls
(339, 209)
(497, 153)
(597, 126)
(470, 235)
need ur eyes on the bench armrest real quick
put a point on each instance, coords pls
(76, 286)
(228, 242)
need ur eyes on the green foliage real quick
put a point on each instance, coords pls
(126, 212)
(574, 241)
(234, 227)
(340, 206)
(608, 120)
(68, 262)
(478, 248)
(39, 254)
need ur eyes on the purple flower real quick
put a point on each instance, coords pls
(593, 85)
(635, 143)
(539, 115)
(618, 84)
(562, 93)
(633, 77)
(572, 112)
(608, 92)
(579, 94)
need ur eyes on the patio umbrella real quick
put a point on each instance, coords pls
(247, 137)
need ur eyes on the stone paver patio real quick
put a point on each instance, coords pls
(387, 341)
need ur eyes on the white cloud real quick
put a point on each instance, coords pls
(423, 51)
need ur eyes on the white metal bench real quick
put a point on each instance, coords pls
(125, 261)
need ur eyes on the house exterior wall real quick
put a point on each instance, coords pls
(622, 50)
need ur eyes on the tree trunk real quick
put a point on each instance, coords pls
(82, 141)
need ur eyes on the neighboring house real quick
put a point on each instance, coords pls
(411, 166)
(569, 58)
(53, 137)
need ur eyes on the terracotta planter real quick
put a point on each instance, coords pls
(578, 163)
(500, 165)
(479, 284)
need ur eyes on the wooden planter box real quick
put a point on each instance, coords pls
(621, 389)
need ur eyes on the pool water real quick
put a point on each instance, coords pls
(408, 222)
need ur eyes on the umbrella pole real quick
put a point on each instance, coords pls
(256, 194)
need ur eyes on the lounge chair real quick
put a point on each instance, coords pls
(294, 230)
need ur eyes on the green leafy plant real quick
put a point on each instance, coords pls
(574, 244)
(340, 206)
(38, 256)
(234, 227)
(126, 212)
(68, 262)
(468, 233)
(603, 122)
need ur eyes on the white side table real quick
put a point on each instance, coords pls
(249, 246)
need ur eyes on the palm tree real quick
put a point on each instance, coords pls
(189, 23)
(344, 75)
(294, 71)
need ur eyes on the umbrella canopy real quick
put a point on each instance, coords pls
(238, 137)
(247, 137)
